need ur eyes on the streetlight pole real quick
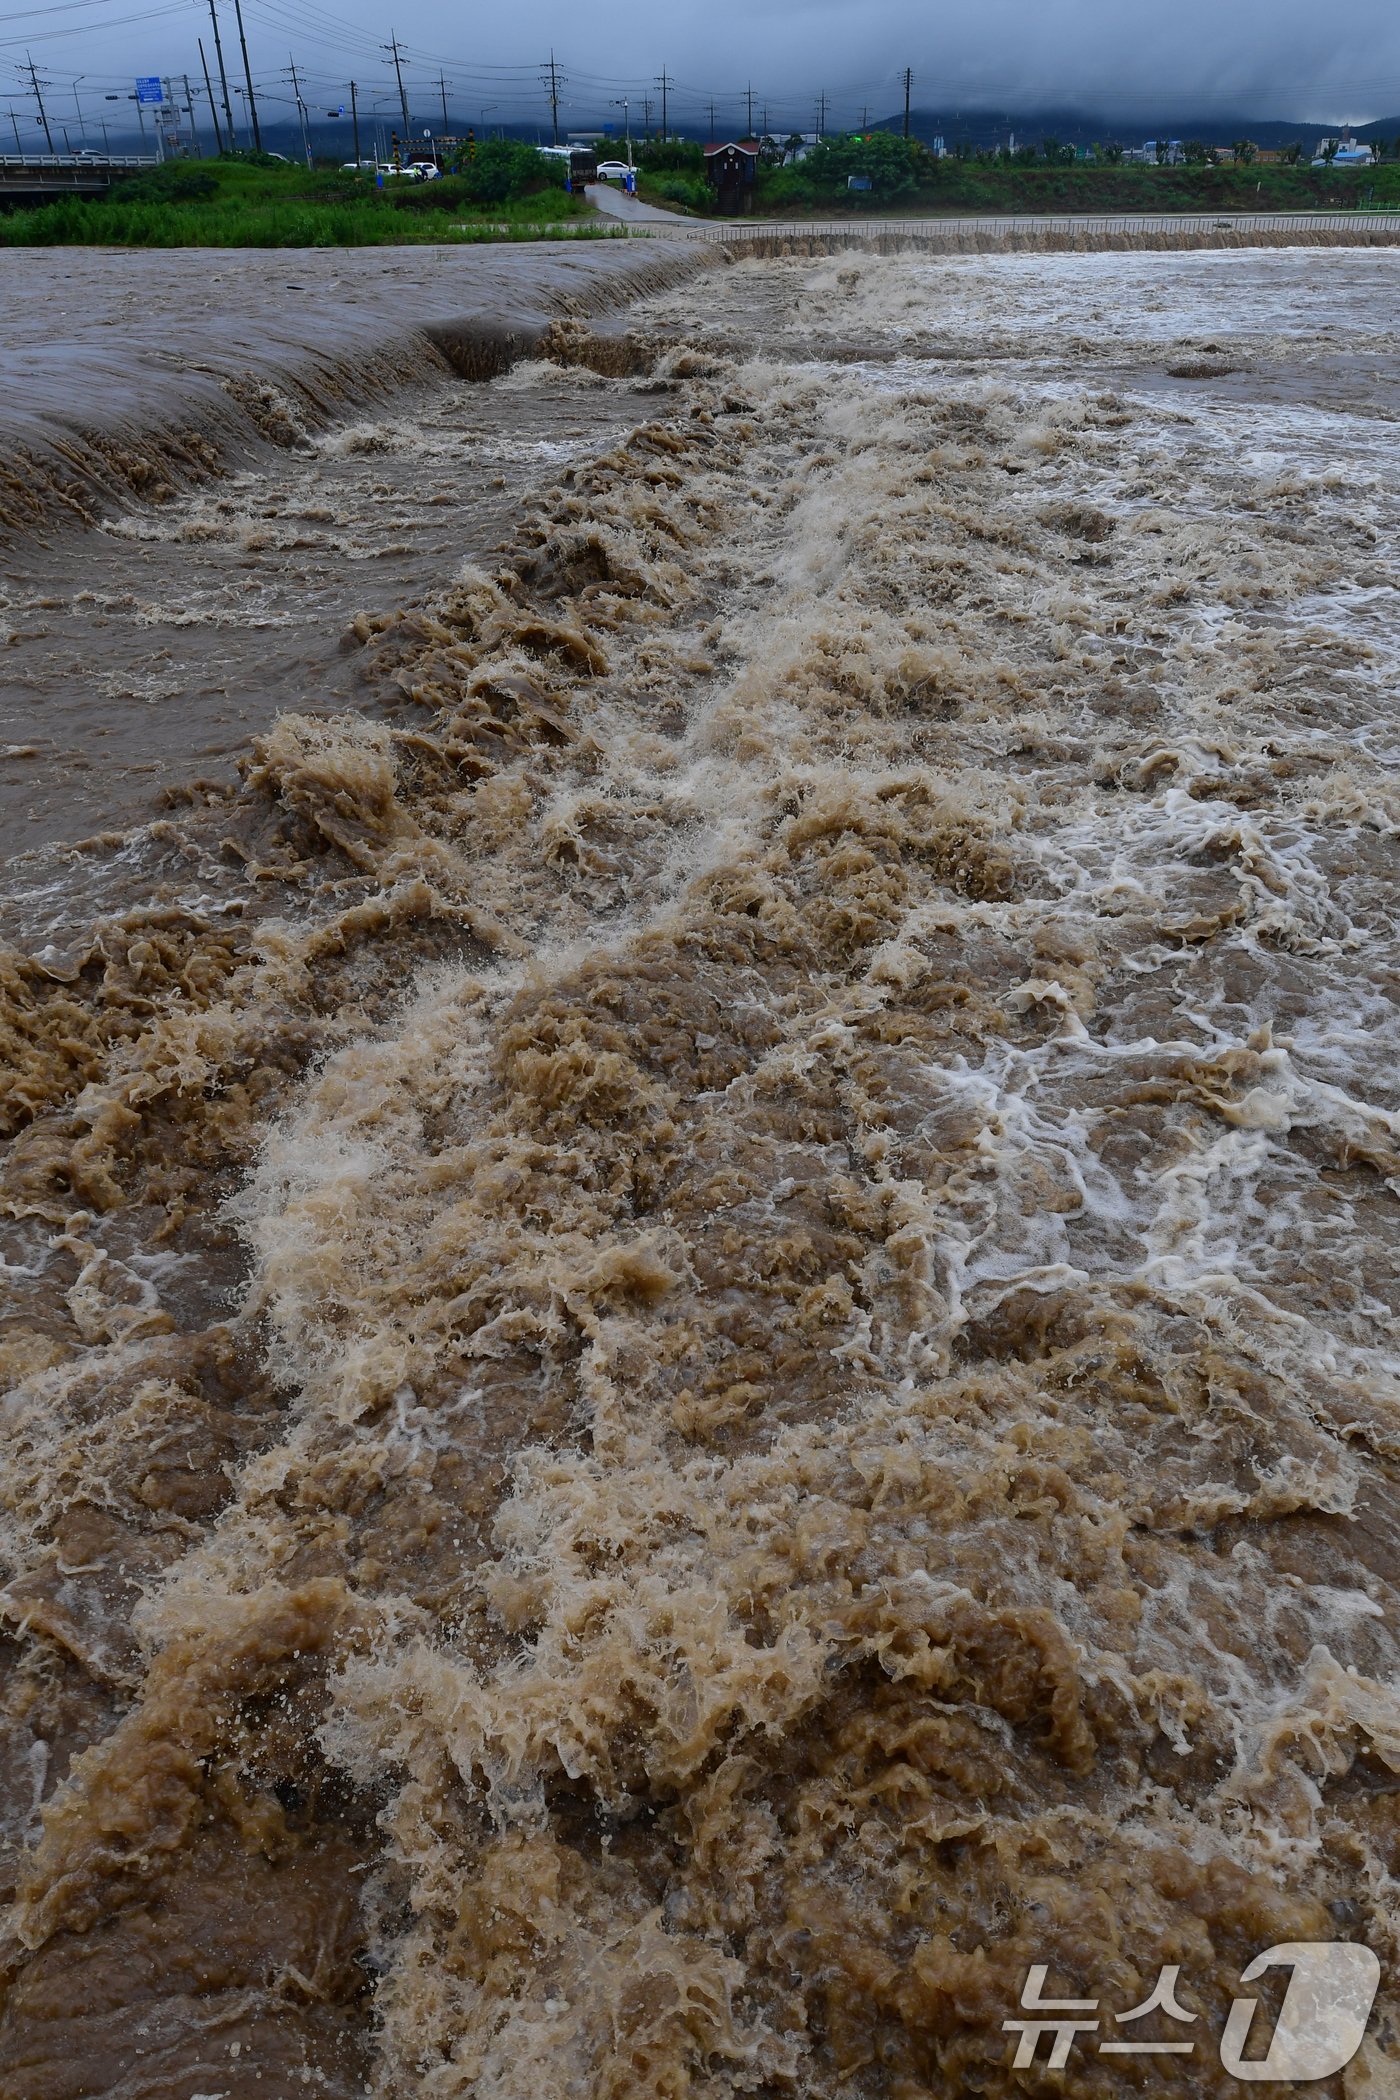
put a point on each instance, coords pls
(620, 102)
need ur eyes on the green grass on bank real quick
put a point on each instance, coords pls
(907, 180)
(256, 202)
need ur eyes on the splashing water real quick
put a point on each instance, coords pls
(708, 1359)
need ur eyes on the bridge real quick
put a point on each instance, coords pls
(38, 178)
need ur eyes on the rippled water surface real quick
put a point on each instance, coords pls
(702, 1287)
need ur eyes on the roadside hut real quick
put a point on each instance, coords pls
(733, 170)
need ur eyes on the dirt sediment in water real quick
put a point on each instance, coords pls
(146, 394)
(723, 1370)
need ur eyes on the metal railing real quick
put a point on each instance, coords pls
(41, 163)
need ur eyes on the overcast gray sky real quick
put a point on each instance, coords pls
(1139, 59)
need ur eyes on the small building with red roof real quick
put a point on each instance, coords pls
(732, 168)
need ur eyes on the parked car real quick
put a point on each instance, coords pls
(353, 167)
(611, 170)
(423, 170)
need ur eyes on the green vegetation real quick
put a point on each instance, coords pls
(671, 172)
(253, 201)
(905, 177)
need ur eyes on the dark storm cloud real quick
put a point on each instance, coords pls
(1287, 58)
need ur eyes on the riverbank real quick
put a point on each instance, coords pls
(971, 187)
(242, 203)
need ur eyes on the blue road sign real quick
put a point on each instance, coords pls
(149, 91)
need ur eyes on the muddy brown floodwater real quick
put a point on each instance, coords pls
(702, 1241)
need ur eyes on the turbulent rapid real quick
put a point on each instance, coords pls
(701, 1340)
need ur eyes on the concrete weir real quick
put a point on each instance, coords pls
(162, 368)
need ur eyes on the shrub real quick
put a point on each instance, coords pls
(785, 189)
(177, 182)
(691, 190)
(671, 156)
(894, 165)
(505, 169)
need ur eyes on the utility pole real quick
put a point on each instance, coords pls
(907, 77)
(39, 98)
(748, 93)
(712, 123)
(766, 131)
(822, 106)
(554, 83)
(213, 105)
(248, 76)
(223, 77)
(646, 114)
(664, 81)
(393, 45)
(355, 121)
(189, 105)
(442, 90)
(301, 110)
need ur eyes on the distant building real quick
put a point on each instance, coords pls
(733, 170)
(1347, 152)
(1147, 154)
